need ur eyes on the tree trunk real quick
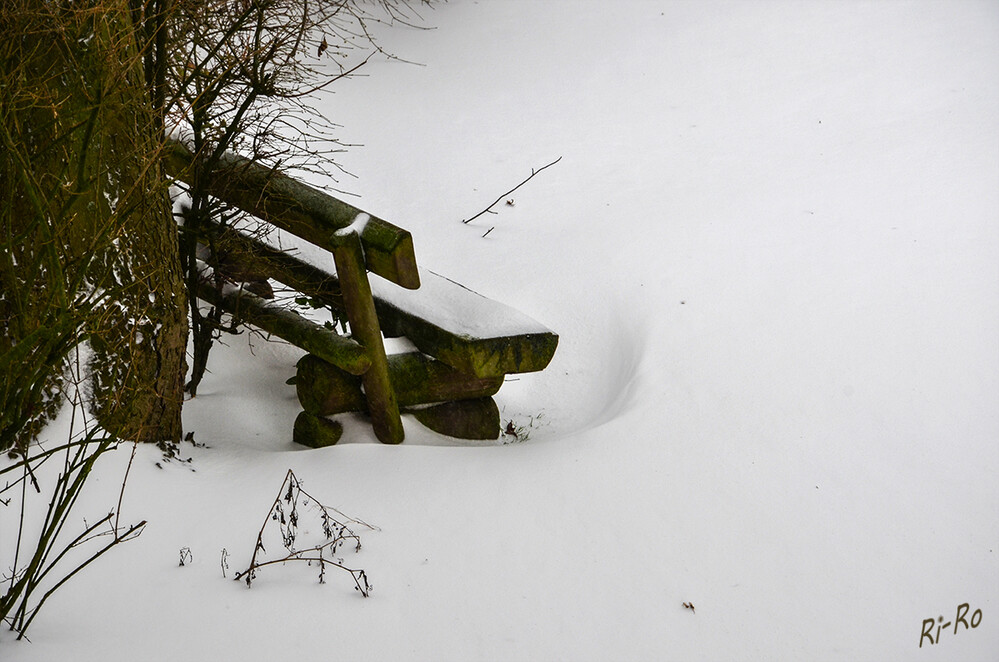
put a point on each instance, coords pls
(82, 116)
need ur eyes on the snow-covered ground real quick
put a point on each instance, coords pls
(771, 250)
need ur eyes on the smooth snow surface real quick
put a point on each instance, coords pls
(771, 251)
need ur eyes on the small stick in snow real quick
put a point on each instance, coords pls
(510, 202)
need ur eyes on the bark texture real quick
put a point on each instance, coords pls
(86, 186)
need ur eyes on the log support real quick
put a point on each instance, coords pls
(465, 419)
(316, 431)
(324, 390)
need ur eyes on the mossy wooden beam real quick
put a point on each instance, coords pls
(464, 329)
(382, 406)
(341, 352)
(482, 357)
(417, 379)
(303, 210)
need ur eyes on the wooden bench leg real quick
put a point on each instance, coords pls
(360, 307)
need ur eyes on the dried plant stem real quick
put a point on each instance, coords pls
(284, 511)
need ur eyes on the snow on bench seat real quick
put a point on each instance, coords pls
(462, 328)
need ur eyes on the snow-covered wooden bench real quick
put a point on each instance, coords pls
(465, 342)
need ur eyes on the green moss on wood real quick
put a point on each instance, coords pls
(316, 431)
(466, 419)
(291, 326)
(416, 379)
(382, 404)
(304, 211)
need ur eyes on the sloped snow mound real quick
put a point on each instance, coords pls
(593, 379)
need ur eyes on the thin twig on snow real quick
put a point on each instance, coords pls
(495, 202)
